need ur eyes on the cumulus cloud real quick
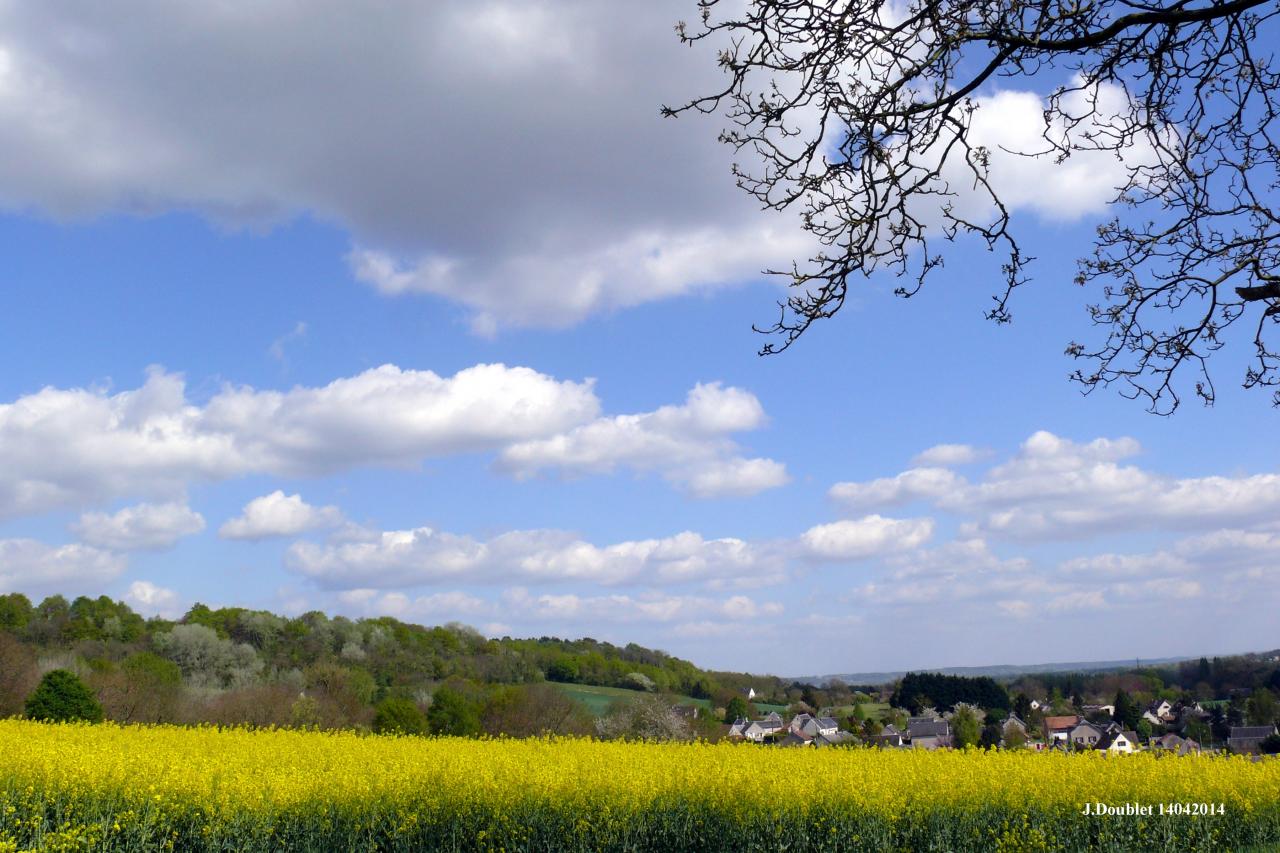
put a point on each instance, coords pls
(73, 447)
(152, 600)
(651, 607)
(278, 514)
(508, 156)
(913, 485)
(947, 455)
(443, 606)
(1056, 488)
(145, 527)
(601, 203)
(688, 443)
(34, 567)
(866, 537)
(407, 558)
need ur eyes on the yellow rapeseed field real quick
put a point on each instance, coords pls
(162, 787)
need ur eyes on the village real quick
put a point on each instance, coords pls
(1173, 728)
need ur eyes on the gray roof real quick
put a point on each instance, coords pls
(832, 739)
(1252, 732)
(929, 728)
(828, 723)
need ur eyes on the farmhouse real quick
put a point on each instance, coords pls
(1084, 734)
(808, 726)
(1118, 741)
(1059, 728)
(1174, 743)
(1248, 738)
(1159, 712)
(929, 734)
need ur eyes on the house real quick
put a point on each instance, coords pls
(686, 712)
(1092, 710)
(1248, 738)
(887, 740)
(751, 693)
(757, 730)
(737, 727)
(1174, 743)
(929, 734)
(890, 729)
(1013, 721)
(836, 738)
(793, 739)
(809, 726)
(1159, 712)
(1036, 704)
(1059, 728)
(1120, 741)
(1084, 734)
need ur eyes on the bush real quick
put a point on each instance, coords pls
(62, 697)
(399, 716)
(451, 713)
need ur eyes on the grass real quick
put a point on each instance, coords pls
(872, 710)
(598, 699)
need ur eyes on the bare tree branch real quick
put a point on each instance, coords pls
(857, 115)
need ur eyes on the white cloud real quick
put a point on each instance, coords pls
(443, 606)
(152, 600)
(406, 558)
(1091, 599)
(62, 448)
(1055, 488)
(689, 444)
(866, 537)
(509, 156)
(34, 567)
(145, 527)
(913, 485)
(947, 455)
(278, 514)
(651, 607)
(1012, 123)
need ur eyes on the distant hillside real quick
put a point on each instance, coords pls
(998, 671)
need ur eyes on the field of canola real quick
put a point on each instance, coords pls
(107, 787)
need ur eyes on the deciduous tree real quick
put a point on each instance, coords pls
(858, 115)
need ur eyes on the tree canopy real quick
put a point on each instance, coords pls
(858, 116)
(62, 697)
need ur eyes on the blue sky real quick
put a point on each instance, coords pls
(427, 312)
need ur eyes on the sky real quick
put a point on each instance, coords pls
(423, 310)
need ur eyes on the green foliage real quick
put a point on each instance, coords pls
(1262, 709)
(736, 708)
(1127, 712)
(965, 728)
(918, 690)
(15, 611)
(399, 716)
(563, 669)
(452, 713)
(62, 697)
(153, 668)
